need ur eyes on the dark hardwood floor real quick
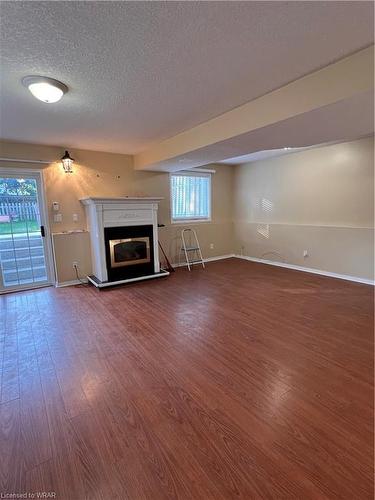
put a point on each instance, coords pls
(239, 381)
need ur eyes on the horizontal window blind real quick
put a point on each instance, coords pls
(191, 196)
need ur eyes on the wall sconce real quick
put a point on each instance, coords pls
(67, 162)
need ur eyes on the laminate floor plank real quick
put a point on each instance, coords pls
(12, 465)
(36, 443)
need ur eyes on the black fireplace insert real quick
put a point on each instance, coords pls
(129, 251)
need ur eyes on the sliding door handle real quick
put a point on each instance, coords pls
(42, 232)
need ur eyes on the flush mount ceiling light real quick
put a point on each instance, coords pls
(45, 89)
(67, 162)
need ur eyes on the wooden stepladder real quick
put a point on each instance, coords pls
(191, 248)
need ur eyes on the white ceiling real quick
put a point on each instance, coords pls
(140, 72)
(262, 155)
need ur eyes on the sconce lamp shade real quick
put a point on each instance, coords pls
(67, 162)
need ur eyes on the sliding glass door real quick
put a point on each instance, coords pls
(24, 252)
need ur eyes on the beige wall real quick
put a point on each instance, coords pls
(69, 248)
(320, 200)
(106, 174)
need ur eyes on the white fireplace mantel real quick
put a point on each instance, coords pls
(117, 212)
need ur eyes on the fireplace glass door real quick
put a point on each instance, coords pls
(129, 251)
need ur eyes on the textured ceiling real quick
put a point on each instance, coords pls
(140, 72)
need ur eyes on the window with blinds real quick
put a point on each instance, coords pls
(190, 197)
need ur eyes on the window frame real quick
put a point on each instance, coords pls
(191, 220)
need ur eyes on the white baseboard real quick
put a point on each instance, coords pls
(70, 283)
(209, 259)
(308, 270)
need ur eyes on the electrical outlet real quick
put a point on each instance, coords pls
(75, 217)
(57, 218)
(75, 264)
(211, 246)
(305, 253)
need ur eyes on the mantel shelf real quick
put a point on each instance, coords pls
(121, 199)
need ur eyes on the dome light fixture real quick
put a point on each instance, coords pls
(45, 89)
(67, 162)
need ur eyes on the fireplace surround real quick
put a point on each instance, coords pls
(124, 239)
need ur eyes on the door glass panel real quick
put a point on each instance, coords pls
(22, 255)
